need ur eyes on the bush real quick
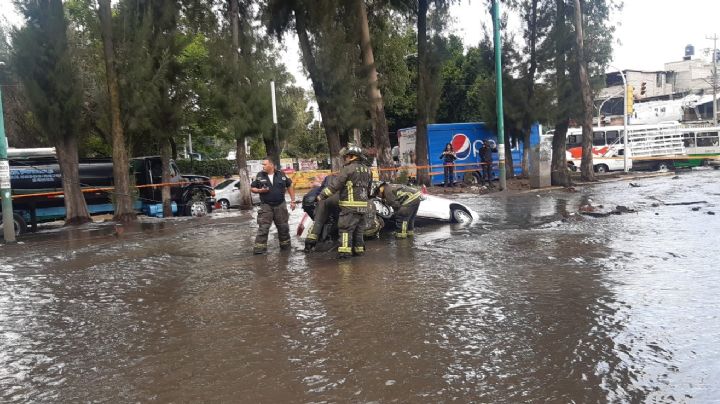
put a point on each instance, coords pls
(208, 168)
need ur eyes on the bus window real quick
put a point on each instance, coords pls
(689, 139)
(707, 139)
(574, 141)
(599, 139)
(612, 136)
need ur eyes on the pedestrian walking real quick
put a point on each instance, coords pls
(486, 160)
(271, 185)
(353, 183)
(405, 201)
(448, 157)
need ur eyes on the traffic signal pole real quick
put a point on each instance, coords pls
(499, 92)
(5, 191)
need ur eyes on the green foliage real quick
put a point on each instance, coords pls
(42, 60)
(209, 168)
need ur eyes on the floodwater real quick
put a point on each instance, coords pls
(535, 303)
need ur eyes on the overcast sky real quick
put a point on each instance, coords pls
(649, 32)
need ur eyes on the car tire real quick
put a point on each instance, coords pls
(196, 206)
(663, 166)
(461, 216)
(20, 225)
(601, 168)
(471, 179)
(224, 204)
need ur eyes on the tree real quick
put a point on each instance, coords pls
(328, 58)
(124, 210)
(586, 166)
(240, 151)
(43, 63)
(376, 106)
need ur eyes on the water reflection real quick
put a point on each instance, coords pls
(531, 304)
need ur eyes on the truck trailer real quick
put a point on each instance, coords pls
(38, 196)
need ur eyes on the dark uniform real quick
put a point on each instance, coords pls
(323, 210)
(352, 182)
(272, 209)
(486, 158)
(406, 202)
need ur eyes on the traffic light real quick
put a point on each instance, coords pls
(630, 100)
(643, 88)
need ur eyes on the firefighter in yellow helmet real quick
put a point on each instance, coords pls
(353, 183)
(405, 201)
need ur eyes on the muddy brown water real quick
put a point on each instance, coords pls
(531, 304)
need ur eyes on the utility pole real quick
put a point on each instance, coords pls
(275, 124)
(714, 38)
(5, 190)
(499, 92)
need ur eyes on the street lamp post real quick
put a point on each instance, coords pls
(275, 123)
(603, 103)
(5, 189)
(625, 120)
(499, 94)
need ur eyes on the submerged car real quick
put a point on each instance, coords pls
(227, 194)
(434, 208)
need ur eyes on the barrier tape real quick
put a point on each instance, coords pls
(103, 189)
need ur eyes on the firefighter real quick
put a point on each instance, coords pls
(271, 186)
(405, 201)
(353, 182)
(323, 210)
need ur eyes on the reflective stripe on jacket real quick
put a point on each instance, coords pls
(352, 182)
(399, 195)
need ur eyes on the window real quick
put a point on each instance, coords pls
(599, 139)
(659, 79)
(224, 184)
(574, 141)
(707, 139)
(612, 136)
(689, 139)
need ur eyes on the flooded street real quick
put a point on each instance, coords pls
(535, 303)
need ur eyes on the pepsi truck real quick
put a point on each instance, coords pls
(466, 139)
(37, 187)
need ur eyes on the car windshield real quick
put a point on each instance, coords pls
(224, 184)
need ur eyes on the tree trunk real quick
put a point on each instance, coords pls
(76, 211)
(165, 152)
(381, 142)
(271, 150)
(526, 153)
(244, 184)
(586, 166)
(421, 136)
(329, 118)
(559, 174)
(124, 210)
(530, 82)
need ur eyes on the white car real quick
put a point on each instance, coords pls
(435, 208)
(227, 194)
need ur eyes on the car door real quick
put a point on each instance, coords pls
(234, 195)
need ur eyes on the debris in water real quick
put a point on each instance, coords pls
(710, 212)
(695, 209)
(635, 184)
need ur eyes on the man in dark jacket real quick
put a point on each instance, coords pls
(405, 201)
(353, 183)
(271, 185)
(487, 160)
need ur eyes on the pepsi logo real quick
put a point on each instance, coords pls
(461, 144)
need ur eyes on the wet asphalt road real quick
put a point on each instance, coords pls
(535, 303)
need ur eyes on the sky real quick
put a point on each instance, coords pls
(649, 32)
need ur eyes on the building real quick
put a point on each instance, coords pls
(683, 91)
